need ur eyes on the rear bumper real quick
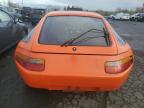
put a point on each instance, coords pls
(73, 83)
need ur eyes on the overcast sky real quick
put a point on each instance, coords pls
(90, 4)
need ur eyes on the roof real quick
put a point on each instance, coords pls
(74, 13)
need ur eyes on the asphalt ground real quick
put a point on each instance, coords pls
(14, 94)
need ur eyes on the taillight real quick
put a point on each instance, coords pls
(33, 64)
(119, 66)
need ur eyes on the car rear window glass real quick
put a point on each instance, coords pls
(59, 29)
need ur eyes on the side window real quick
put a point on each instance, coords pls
(4, 17)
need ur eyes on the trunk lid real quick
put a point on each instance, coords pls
(82, 50)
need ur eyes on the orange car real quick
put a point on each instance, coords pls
(74, 51)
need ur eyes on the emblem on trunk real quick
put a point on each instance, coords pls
(74, 49)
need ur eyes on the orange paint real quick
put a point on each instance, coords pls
(80, 70)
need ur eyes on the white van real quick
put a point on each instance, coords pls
(122, 16)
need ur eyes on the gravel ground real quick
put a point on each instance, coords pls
(14, 94)
(131, 95)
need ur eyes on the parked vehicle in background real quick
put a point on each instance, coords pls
(11, 30)
(36, 14)
(125, 16)
(118, 16)
(111, 17)
(11, 11)
(19, 11)
(137, 17)
(134, 17)
(140, 17)
(122, 16)
(26, 11)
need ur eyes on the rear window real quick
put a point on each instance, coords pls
(59, 29)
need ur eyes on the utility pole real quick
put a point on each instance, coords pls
(4, 2)
(143, 7)
(22, 2)
(9, 3)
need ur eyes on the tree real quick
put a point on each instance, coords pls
(73, 8)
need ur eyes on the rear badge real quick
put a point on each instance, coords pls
(74, 49)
